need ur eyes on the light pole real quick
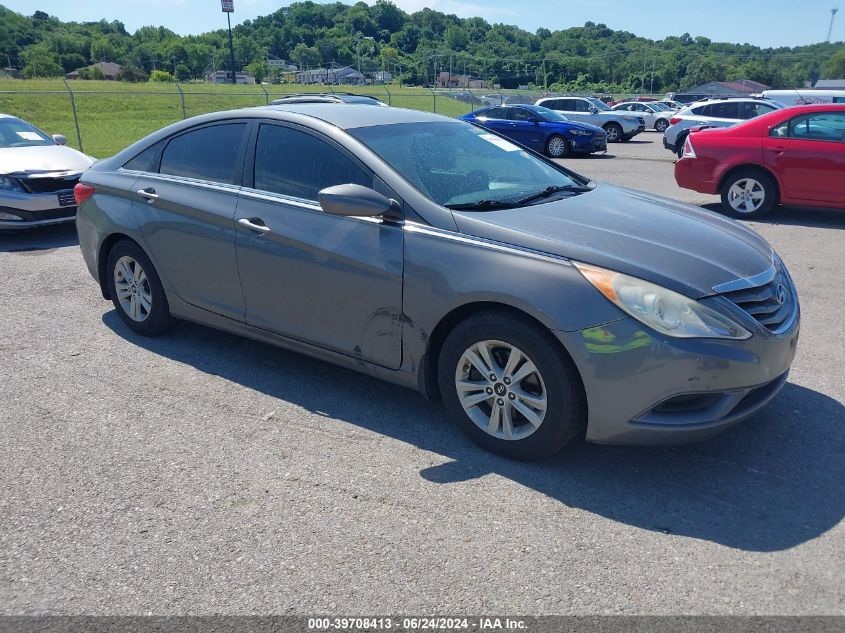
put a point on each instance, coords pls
(358, 47)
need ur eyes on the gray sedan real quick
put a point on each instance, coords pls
(538, 305)
(37, 176)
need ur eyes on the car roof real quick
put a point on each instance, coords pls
(353, 115)
(325, 97)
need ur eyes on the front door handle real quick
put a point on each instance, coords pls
(254, 224)
(149, 193)
(777, 150)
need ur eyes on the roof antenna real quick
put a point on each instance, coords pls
(830, 29)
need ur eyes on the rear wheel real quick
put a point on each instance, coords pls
(558, 147)
(510, 387)
(661, 125)
(614, 132)
(136, 290)
(749, 193)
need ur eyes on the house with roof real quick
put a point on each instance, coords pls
(110, 70)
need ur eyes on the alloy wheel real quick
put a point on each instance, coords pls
(746, 195)
(557, 146)
(133, 289)
(501, 390)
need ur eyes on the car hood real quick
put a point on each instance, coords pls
(578, 125)
(685, 248)
(42, 160)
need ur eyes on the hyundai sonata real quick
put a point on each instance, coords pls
(538, 305)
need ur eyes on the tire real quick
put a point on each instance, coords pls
(144, 309)
(748, 194)
(614, 132)
(554, 390)
(679, 145)
(558, 147)
(661, 125)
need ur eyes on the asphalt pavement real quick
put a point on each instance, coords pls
(202, 473)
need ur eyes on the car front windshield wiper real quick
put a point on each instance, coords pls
(548, 191)
(481, 205)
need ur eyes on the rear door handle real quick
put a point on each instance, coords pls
(254, 224)
(149, 193)
(777, 150)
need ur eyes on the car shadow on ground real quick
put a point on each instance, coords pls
(770, 483)
(795, 216)
(45, 238)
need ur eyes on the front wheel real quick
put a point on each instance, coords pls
(748, 194)
(510, 386)
(661, 125)
(614, 132)
(558, 147)
(136, 290)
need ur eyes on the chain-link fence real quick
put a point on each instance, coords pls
(101, 118)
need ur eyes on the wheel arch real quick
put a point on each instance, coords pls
(103, 256)
(751, 167)
(438, 336)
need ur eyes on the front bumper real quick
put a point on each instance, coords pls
(589, 145)
(644, 388)
(28, 210)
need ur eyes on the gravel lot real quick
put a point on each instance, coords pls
(201, 473)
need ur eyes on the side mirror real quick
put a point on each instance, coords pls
(353, 200)
(594, 110)
(60, 139)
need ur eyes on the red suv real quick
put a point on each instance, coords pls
(793, 156)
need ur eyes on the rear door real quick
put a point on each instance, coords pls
(495, 119)
(330, 281)
(186, 205)
(808, 153)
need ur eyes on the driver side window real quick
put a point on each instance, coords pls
(297, 164)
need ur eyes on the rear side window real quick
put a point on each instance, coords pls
(749, 109)
(298, 164)
(144, 160)
(520, 114)
(495, 113)
(209, 153)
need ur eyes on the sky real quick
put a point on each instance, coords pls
(761, 22)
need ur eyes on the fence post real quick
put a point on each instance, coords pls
(182, 97)
(266, 94)
(434, 99)
(75, 117)
(388, 93)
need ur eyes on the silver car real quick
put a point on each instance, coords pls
(713, 113)
(37, 176)
(656, 117)
(440, 256)
(619, 126)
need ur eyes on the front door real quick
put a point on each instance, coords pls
(330, 281)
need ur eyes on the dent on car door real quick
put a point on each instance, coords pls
(187, 207)
(331, 281)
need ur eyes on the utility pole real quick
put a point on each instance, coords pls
(228, 7)
(830, 29)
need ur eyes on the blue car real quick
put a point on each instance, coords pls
(541, 129)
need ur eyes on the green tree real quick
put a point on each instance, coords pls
(834, 67)
(161, 75)
(183, 73)
(258, 69)
(40, 61)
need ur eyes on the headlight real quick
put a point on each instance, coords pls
(7, 183)
(580, 132)
(661, 309)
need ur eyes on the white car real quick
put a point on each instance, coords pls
(723, 112)
(37, 176)
(619, 126)
(656, 118)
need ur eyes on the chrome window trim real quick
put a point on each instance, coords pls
(185, 180)
(302, 203)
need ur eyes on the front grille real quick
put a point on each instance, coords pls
(772, 304)
(49, 185)
(66, 198)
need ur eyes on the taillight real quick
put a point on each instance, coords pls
(675, 120)
(689, 152)
(81, 192)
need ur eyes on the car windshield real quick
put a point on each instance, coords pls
(662, 107)
(547, 114)
(459, 165)
(601, 105)
(17, 133)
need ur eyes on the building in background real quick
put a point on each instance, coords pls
(110, 70)
(342, 75)
(281, 65)
(736, 88)
(225, 77)
(830, 84)
(445, 80)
